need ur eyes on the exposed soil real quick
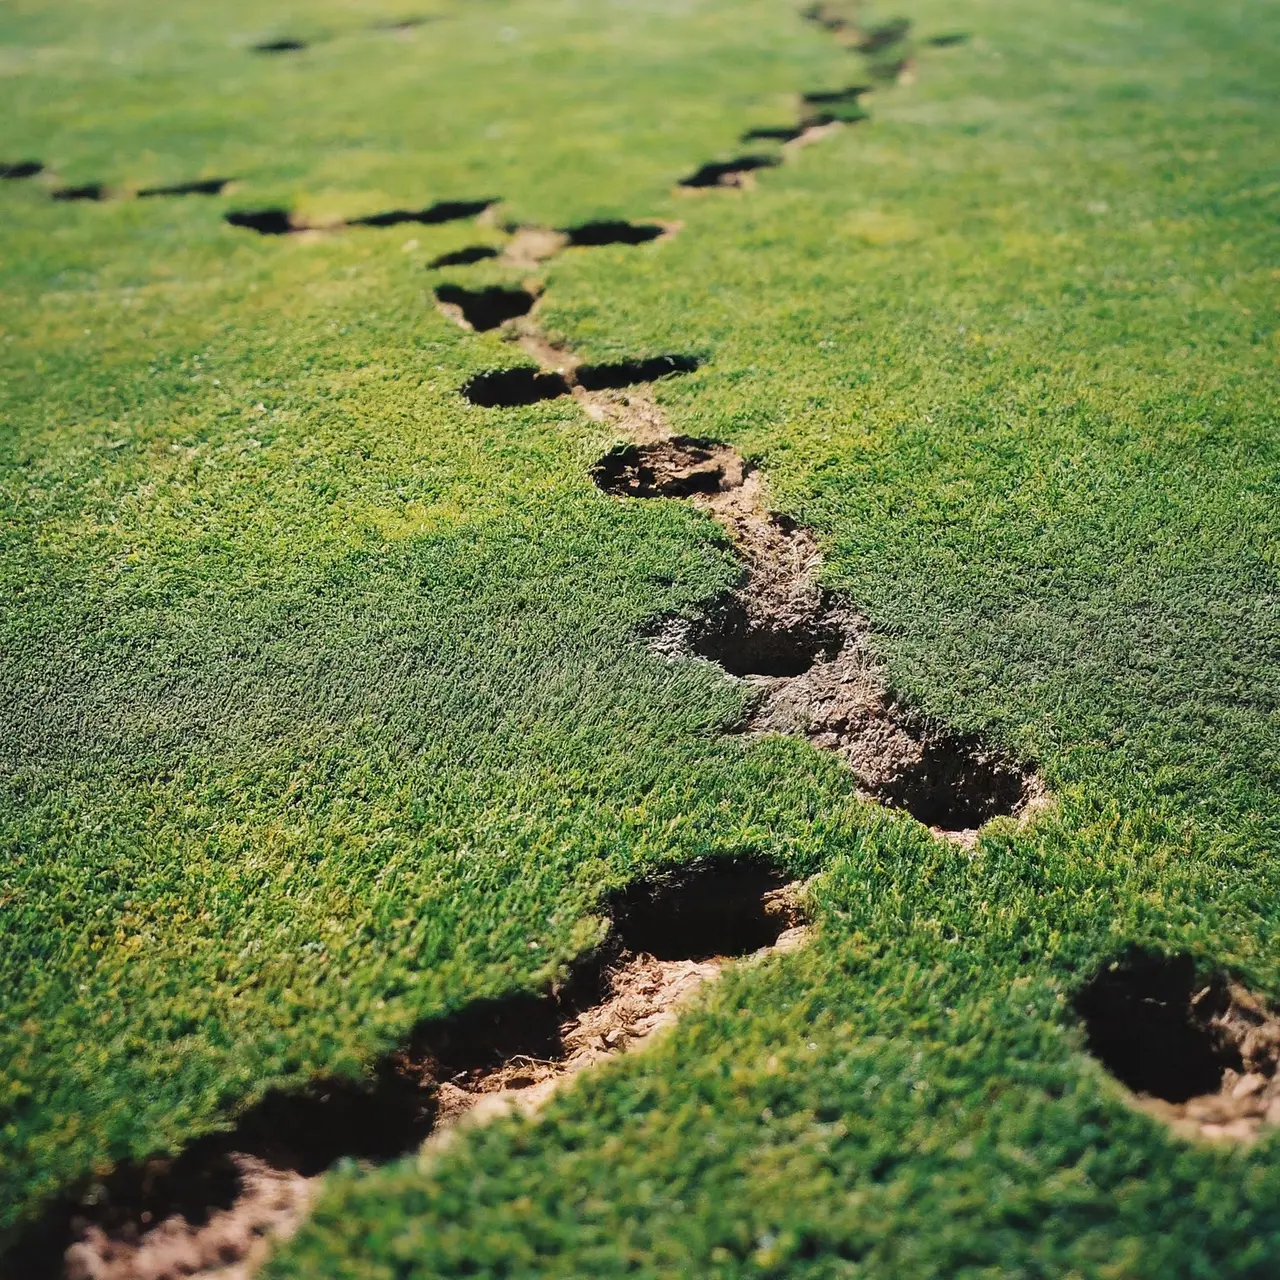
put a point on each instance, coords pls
(1198, 1051)
(216, 1209)
(464, 257)
(89, 191)
(285, 45)
(203, 187)
(484, 309)
(266, 222)
(675, 468)
(21, 169)
(728, 173)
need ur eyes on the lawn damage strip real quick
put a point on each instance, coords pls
(218, 1207)
(277, 221)
(1191, 1046)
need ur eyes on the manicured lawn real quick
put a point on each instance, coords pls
(325, 703)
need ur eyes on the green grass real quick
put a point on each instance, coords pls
(323, 707)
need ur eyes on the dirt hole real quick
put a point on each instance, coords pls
(746, 644)
(728, 173)
(202, 187)
(21, 169)
(464, 257)
(89, 191)
(780, 133)
(627, 373)
(595, 234)
(731, 907)
(487, 308)
(285, 45)
(266, 222)
(214, 1204)
(441, 211)
(505, 388)
(674, 468)
(1198, 1049)
(835, 97)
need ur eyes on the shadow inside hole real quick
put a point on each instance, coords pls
(959, 782)
(1147, 1020)
(202, 187)
(718, 908)
(506, 388)
(464, 257)
(266, 222)
(284, 45)
(21, 169)
(628, 373)
(432, 215)
(781, 133)
(595, 234)
(89, 191)
(745, 645)
(728, 173)
(487, 308)
(835, 97)
(675, 468)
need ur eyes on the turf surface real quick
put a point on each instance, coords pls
(324, 703)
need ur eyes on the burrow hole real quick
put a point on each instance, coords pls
(486, 308)
(835, 97)
(779, 133)
(285, 44)
(728, 173)
(629, 373)
(434, 214)
(745, 644)
(464, 257)
(1149, 1019)
(21, 169)
(266, 222)
(506, 388)
(675, 468)
(595, 234)
(715, 909)
(88, 191)
(201, 187)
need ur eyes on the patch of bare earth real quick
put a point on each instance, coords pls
(216, 1210)
(1199, 1052)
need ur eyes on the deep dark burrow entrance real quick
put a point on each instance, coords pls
(202, 187)
(959, 782)
(726, 907)
(505, 388)
(629, 373)
(21, 169)
(777, 133)
(728, 173)
(266, 222)
(487, 308)
(745, 644)
(595, 234)
(1148, 1019)
(835, 97)
(89, 191)
(285, 45)
(675, 468)
(464, 257)
(432, 215)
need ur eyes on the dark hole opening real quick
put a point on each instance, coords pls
(718, 908)
(959, 783)
(487, 308)
(748, 646)
(948, 39)
(627, 373)
(594, 234)
(727, 172)
(203, 187)
(432, 215)
(266, 222)
(285, 45)
(780, 133)
(21, 169)
(464, 257)
(1146, 1019)
(90, 191)
(675, 468)
(504, 388)
(835, 97)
